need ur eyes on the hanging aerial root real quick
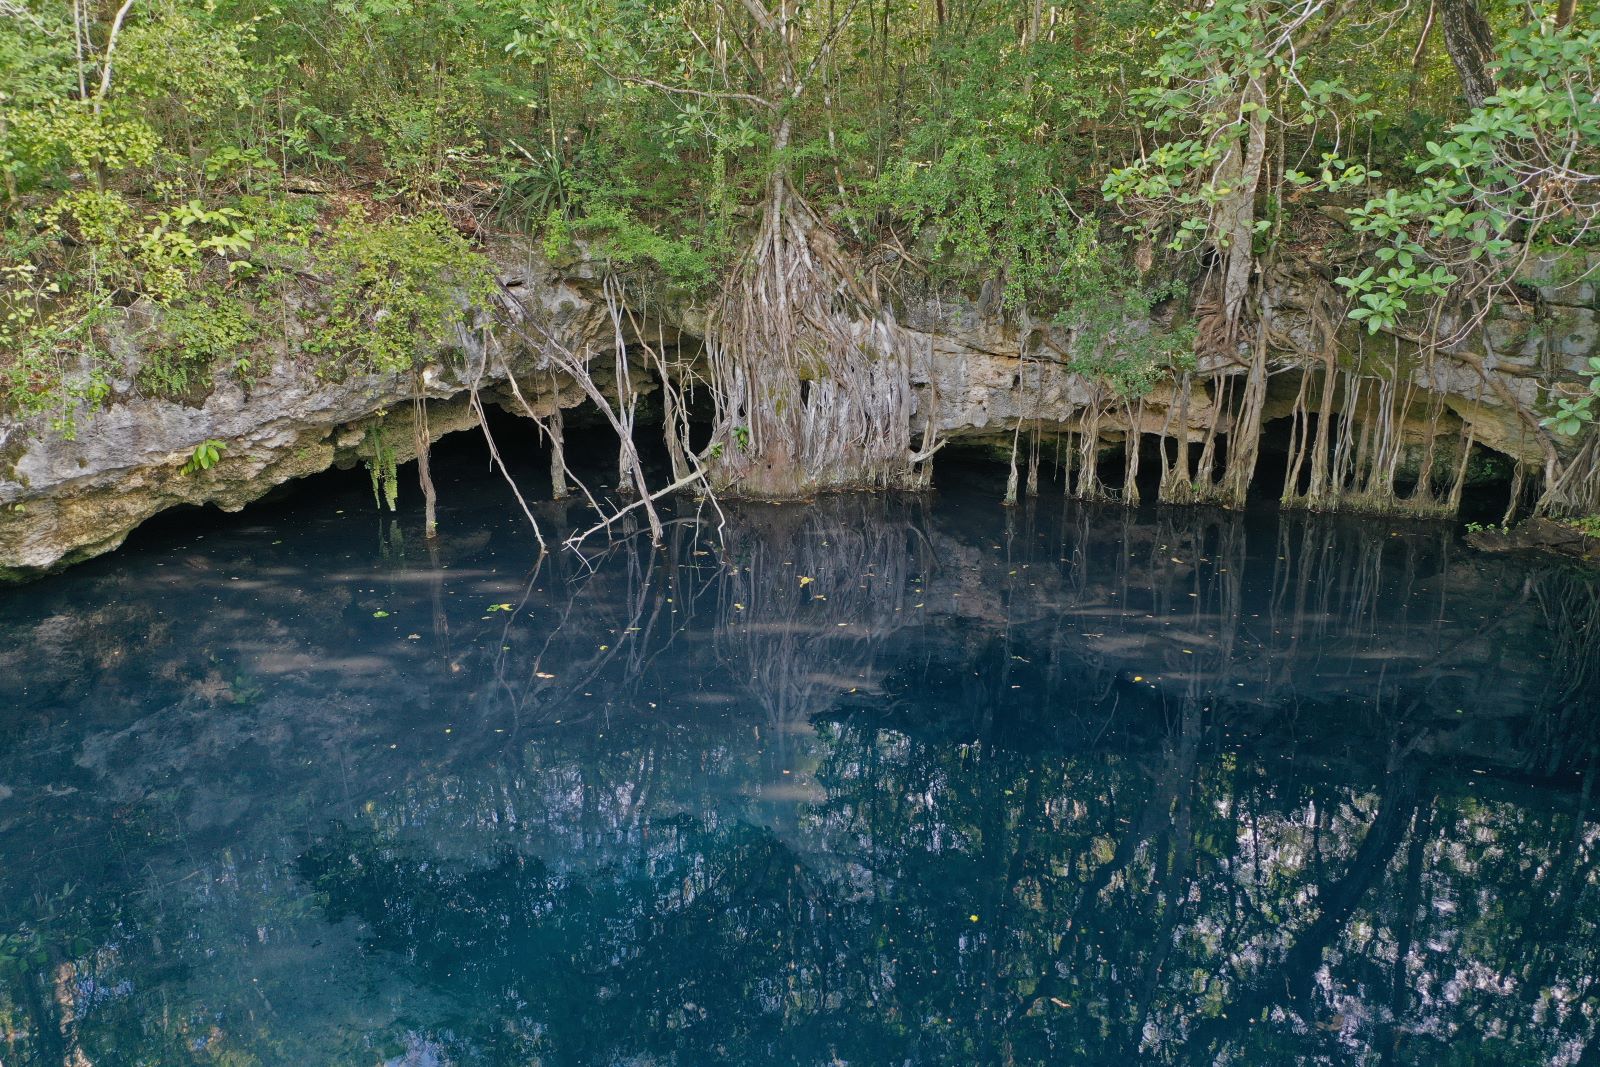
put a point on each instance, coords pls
(620, 410)
(810, 374)
(1572, 488)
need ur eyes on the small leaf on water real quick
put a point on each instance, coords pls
(380, 614)
(804, 581)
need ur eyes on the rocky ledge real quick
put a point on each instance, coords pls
(66, 500)
(1538, 535)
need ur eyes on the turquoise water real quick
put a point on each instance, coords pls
(859, 782)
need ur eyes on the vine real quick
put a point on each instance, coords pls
(382, 466)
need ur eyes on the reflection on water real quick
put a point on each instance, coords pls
(864, 782)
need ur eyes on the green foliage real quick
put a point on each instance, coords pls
(206, 454)
(978, 173)
(1588, 525)
(620, 237)
(1517, 169)
(418, 130)
(194, 337)
(400, 287)
(186, 65)
(1383, 298)
(52, 364)
(164, 256)
(1222, 73)
(47, 128)
(255, 160)
(1115, 339)
(1573, 413)
(992, 210)
(180, 239)
(60, 134)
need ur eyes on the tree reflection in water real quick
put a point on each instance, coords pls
(868, 782)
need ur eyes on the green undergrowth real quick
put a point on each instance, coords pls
(228, 290)
(294, 180)
(1588, 525)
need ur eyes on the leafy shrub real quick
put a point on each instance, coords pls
(400, 287)
(193, 339)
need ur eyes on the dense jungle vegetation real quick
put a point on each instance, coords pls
(1078, 161)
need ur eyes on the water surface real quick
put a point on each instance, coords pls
(907, 781)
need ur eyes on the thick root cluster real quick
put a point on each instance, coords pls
(811, 374)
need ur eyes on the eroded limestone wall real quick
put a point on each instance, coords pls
(974, 376)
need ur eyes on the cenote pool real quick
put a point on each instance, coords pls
(903, 781)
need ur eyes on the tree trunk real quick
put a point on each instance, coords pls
(1471, 46)
(1240, 172)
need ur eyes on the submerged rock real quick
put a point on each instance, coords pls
(1540, 535)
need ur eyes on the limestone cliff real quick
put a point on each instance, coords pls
(1391, 409)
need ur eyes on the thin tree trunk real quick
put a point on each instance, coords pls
(1418, 56)
(1240, 171)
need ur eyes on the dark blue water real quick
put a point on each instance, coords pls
(907, 781)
